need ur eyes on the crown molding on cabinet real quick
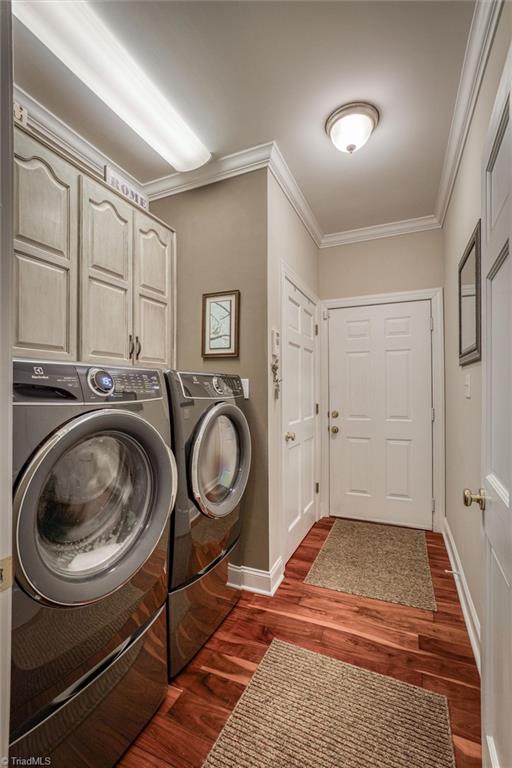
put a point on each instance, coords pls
(392, 229)
(481, 36)
(55, 131)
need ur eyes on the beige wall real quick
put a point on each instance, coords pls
(222, 245)
(288, 243)
(402, 263)
(463, 417)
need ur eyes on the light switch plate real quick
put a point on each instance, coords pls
(245, 385)
(467, 386)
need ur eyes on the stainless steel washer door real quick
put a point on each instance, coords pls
(91, 507)
(220, 460)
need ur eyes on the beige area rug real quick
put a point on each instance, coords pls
(373, 560)
(305, 710)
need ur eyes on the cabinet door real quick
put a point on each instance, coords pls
(45, 252)
(154, 266)
(106, 275)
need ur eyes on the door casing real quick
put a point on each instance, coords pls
(435, 296)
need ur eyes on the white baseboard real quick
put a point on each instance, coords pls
(254, 580)
(466, 601)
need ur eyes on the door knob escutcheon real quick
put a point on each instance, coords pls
(470, 498)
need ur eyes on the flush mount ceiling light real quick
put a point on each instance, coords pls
(350, 126)
(84, 44)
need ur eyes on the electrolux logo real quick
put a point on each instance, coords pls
(38, 372)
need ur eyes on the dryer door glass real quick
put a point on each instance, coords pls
(220, 460)
(94, 504)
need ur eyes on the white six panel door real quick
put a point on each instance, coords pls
(380, 405)
(298, 416)
(496, 431)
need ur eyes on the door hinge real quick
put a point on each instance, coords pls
(433, 414)
(6, 573)
(316, 329)
(431, 323)
(317, 408)
(317, 487)
(433, 505)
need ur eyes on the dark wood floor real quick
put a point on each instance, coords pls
(428, 649)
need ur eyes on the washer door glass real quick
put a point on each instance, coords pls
(220, 460)
(93, 505)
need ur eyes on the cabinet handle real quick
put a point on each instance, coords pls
(139, 347)
(131, 347)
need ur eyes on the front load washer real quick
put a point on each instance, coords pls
(212, 444)
(94, 487)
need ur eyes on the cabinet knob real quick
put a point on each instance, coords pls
(290, 436)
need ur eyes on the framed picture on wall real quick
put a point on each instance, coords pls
(470, 350)
(221, 324)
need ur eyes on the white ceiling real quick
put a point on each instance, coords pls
(245, 73)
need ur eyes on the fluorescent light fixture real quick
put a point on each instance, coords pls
(350, 126)
(79, 38)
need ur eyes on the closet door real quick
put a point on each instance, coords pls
(106, 275)
(154, 246)
(45, 252)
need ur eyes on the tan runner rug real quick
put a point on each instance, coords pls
(373, 560)
(305, 710)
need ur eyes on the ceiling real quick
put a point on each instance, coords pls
(245, 73)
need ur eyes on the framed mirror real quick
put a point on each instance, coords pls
(469, 301)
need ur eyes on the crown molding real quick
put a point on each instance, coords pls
(262, 156)
(293, 192)
(218, 169)
(392, 229)
(481, 36)
(55, 131)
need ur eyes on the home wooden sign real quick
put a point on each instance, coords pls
(126, 188)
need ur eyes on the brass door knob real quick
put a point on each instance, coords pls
(474, 498)
(290, 436)
(335, 414)
(335, 430)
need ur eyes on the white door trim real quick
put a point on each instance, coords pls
(435, 296)
(287, 273)
(5, 364)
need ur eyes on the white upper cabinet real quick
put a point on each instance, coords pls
(106, 256)
(153, 283)
(94, 276)
(45, 252)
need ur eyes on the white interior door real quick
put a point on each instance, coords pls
(497, 428)
(299, 415)
(5, 367)
(380, 413)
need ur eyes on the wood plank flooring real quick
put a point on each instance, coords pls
(428, 649)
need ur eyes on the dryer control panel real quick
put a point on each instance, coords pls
(210, 386)
(35, 381)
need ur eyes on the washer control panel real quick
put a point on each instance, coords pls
(36, 381)
(100, 381)
(113, 384)
(208, 386)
